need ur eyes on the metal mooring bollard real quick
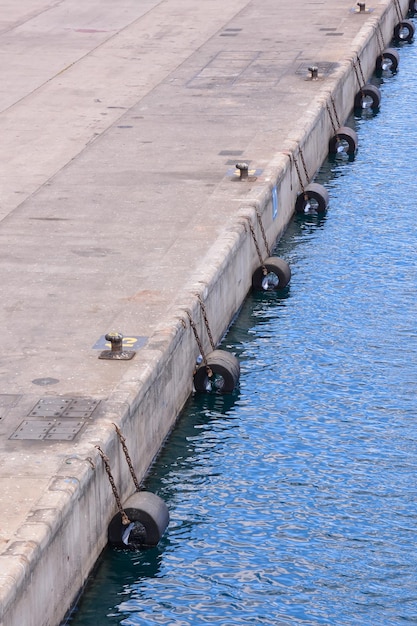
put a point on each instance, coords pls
(116, 353)
(243, 170)
(314, 72)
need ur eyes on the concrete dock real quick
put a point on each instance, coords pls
(121, 125)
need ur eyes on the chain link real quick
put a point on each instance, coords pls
(380, 38)
(304, 165)
(127, 456)
(331, 119)
(200, 346)
(261, 261)
(261, 226)
(335, 111)
(197, 338)
(125, 519)
(398, 9)
(298, 174)
(206, 322)
(357, 65)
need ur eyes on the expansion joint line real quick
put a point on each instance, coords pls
(127, 456)
(125, 519)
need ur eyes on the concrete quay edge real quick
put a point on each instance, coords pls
(35, 589)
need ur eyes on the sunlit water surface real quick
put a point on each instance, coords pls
(295, 501)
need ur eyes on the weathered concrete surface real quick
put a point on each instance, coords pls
(120, 125)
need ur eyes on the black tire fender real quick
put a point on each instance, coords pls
(368, 91)
(223, 364)
(347, 135)
(149, 518)
(404, 31)
(278, 267)
(390, 55)
(316, 192)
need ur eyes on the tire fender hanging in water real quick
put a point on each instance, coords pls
(148, 519)
(314, 200)
(345, 140)
(220, 374)
(389, 59)
(369, 93)
(404, 31)
(277, 277)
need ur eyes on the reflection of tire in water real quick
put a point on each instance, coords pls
(277, 277)
(148, 519)
(314, 200)
(369, 97)
(225, 370)
(345, 140)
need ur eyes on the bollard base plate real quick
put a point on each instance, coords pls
(123, 355)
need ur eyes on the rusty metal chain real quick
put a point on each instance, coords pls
(398, 9)
(206, 322)
(125, 519)
(335, 128)
(380, 38)
(335, 111)
(298, 174)
(261, 226)
(357, 65)
(258, 250)
(304, 165)
(200, 345)
(127, 456)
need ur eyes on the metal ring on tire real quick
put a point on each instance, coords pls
(225, 370)
(149, 517)
(345, 140)
(314, 200)
(404, 31)
(369, 97)
(388, 60)
(277, 277)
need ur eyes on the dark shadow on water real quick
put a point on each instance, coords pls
(115, 572)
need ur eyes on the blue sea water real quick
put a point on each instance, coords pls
(294, 500)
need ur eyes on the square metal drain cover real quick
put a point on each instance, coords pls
(64, 407)
(38, 430)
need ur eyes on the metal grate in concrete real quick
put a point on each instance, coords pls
(64, 407)
(59, 419)
(40, 430)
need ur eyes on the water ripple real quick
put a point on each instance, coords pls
(295, 501)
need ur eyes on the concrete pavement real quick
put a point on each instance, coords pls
(121, 124)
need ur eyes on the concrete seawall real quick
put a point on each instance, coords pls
(53, 533)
